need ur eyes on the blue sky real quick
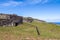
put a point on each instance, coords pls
(48, 10)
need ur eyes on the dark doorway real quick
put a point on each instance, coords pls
(16, 24)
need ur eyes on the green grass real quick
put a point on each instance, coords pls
(48, 30)
(28, 30)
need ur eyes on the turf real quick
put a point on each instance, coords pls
(47, 30)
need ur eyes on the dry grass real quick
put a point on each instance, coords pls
(28, 32)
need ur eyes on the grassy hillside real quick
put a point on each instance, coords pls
(28, 30)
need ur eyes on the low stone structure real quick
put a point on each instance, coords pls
(28, 19)
(10, 20)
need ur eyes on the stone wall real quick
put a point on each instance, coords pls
(10, 20)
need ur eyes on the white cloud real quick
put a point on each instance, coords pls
(11, 3)
(21, 3)
(37, 1)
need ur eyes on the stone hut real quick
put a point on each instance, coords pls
(10, 20)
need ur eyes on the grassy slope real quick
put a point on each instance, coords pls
(48, 30)
(26, 30)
